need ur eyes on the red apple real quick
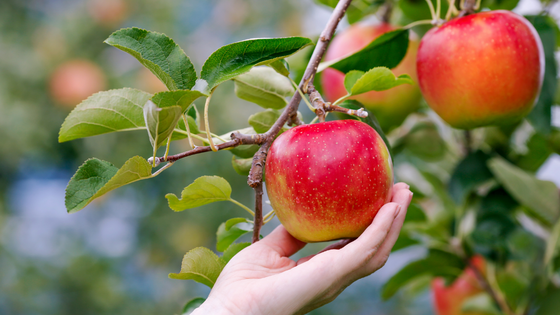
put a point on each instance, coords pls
(390, 107)
(75, 80)
(481, 69)
(327, 181)
(449, 300)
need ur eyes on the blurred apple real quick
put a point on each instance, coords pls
(108, 12)
(449, 300)
(75, 80)
(392, 106)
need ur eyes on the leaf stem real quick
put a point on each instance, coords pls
(269, 216)
(438, 10)
(167, 146)
(342, 99)
(218, 137)
(421, 22)
(242, 206)
(186, 121)
(432, 10)
(163, 168)
(451, 10)
(207, 124)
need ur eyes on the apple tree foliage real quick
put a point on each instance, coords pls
(473, 195)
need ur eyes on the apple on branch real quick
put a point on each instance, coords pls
(448, 300)
(481, 69)
(392, 106)
(327, 181)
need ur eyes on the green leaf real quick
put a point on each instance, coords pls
(370, 120)
(351, 78)
(437, 263)
(229, 231)
(192, 305)
(469, 173)
(378, 79)
(415, 213)
(241, 166)
(264, 87)
(163, 112)
(538, 152)
(541, 115)
(160, 122)
(417, 10)
(202, 191)
(262, 121)
(233, 249)
(425, 142)
(385, 51)
(242, 151)
(481, 303)
(159, 54)
(552, 244)
(105, 112)
(550, 303)
(96, 177)
(234, 59)
(540, 197)
(281, 66)
(201, 265)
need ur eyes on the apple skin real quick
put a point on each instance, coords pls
(482, 69)
(449, 300)
(390, 107)
(327, 181)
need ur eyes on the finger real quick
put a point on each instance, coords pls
(400, 186)
(338, 245)
(359, 252)
(282, 242)
(403, 198)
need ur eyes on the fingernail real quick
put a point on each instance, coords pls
(397, 210)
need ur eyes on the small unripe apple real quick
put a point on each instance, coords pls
(449, 300)
(327, 181)
(390, 107)
(481, 69)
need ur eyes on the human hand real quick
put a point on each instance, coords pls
(262, 279)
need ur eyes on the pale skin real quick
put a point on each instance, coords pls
(262, 279)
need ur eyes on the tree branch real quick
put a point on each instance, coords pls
(488, 288)
(258, 212)
(289, 115)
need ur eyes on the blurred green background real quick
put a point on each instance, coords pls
(114, 257)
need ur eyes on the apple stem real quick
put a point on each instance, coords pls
(467, 7)
(468, 142)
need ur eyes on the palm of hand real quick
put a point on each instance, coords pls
(262, 279)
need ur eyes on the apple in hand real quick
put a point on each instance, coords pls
(327, 181)
(390, 107)
(449, 300)
(481, 69)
